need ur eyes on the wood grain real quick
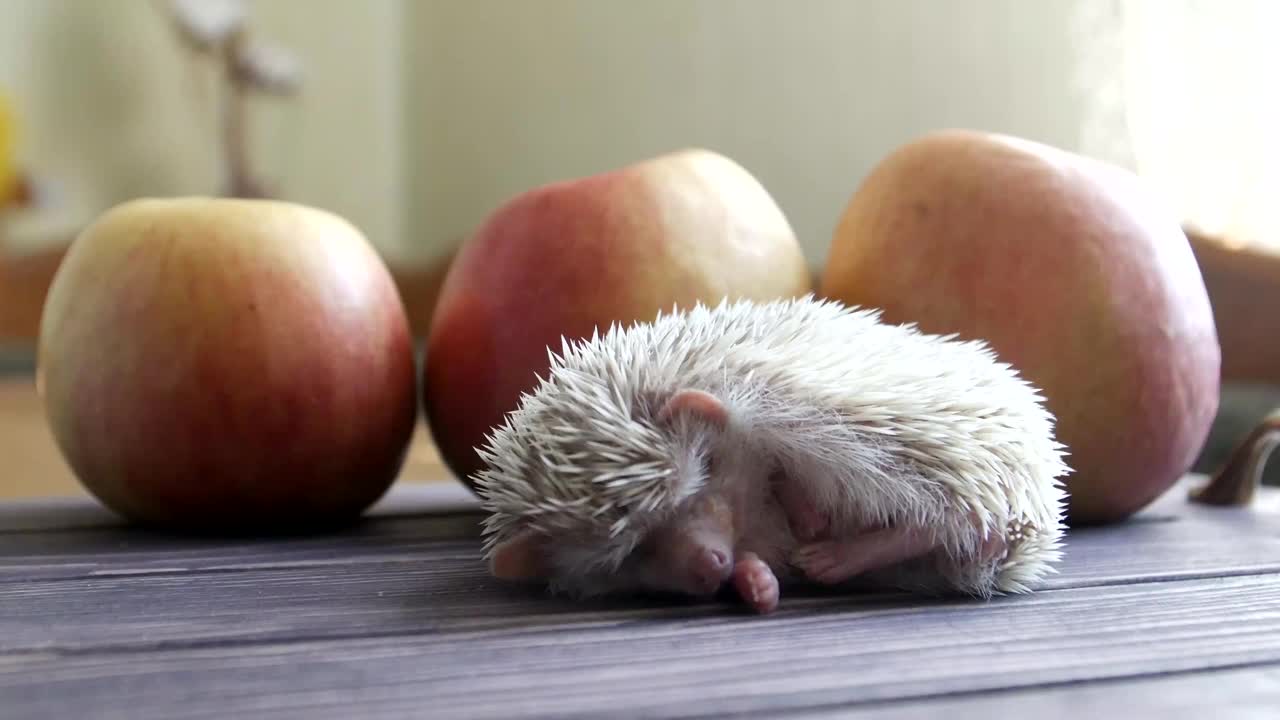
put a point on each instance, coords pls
(678, 664)
(77, 539)
(397, 617)
(1250, 693)
(374, 586)
(82, 513)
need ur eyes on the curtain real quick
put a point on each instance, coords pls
(1186, 93)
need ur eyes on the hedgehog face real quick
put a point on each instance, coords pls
(609, 510)
(691, 554)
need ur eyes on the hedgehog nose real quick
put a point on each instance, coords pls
(711, 568)
(720, 561)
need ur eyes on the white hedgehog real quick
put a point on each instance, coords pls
(763, 442)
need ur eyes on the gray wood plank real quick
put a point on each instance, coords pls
(1169, 540)
(1250, 693)
(60, 515)
(824, 654)
(96, 553)
(396, 615)
(447, 589)
(79, 513)
(374, 585)
(45, 540)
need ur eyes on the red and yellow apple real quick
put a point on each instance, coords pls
(226, 365)
(1074, 274)
(569, 257)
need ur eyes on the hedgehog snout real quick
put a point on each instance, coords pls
(709, 569)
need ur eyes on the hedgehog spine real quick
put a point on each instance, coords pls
(884, 423)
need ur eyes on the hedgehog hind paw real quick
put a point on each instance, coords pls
(824, 562)
(837, 561)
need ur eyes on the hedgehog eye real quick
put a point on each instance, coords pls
(645, 550)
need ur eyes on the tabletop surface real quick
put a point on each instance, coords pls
(1175, 613)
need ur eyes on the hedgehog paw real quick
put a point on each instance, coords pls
(993, 549)
(756, 583)
(835, 561)
(826, 562)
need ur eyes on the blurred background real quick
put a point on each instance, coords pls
(415, 118)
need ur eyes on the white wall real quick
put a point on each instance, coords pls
(105, 110)
(341, 145)
(807, 95)
(420, 116)
(114, 107)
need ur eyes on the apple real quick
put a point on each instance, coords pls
(574, 256)
(1072, 271)
(225, 365)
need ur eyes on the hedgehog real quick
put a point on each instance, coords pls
(753, 445)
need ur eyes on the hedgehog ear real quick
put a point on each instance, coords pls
(523, 557)
(698, 404)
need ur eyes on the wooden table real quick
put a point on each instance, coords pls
(1173, 614)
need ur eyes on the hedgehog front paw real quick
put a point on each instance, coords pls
(756, 583)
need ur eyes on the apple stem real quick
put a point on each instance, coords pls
(1236, 481)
